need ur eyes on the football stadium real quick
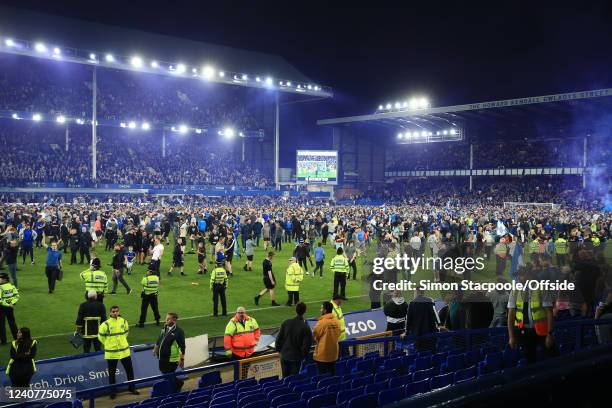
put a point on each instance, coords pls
(192, 224)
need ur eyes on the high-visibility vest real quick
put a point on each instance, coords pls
(538, 313)
(501, 250)
(218, 277)
(95, 280)
(534, 246)
(113, 335)
(593, 227)
(595, 240)
(561, 246)
(241, 338)
(339, 264)
(150, 285)
(11, 361)
(175, 350)
(337, 312)
(9, 295)
(293, 277)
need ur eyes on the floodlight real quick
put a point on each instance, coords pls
(400, 135)
(182, 129)
(241, 134)
(453, 131)
(92, 56)
(180, 68)
(445, 132)
(194, 70)
(398, 105)
(145, 126)
(60, 119)
(122, 125)
(228, 132)
(109, 58)
(423, 133)
(37, 117)
(269, 81)
(414, 103)
(429, 134)
(438, 133)
(80, 121)
(317, 88)
(221, 74)
(309, 86)
(380, 107)
(208, 72)
(154, 64)
(136, 61)
(245, 77)
(198, 131)
(423, 103)
(40, 47)
(132, 125)
(57, 52)
(404, 104)
(15, 116)
(388, 106)
(257, 79)
(9, 42)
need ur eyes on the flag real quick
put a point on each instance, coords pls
(501, 228)
(517, 260)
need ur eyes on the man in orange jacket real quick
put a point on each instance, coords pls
(326, 333)
(241, 335)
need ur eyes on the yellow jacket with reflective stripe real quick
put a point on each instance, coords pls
(337, 312)
(538, 313)
(294, 276)
(150, 284)
(95, 280)
(561, 246)
(113, 335)
(218, 276)
(339, 264)
(241, 338)
(9, 295)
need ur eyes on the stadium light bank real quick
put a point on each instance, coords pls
(138, 63)
(412, 104)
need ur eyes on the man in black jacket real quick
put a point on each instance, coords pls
(91, 314)
(422, 319)
(170, 348)
(293, 341)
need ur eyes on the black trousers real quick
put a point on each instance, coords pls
(303, 262)
(52, 273)
(324, 368)
(294, 296)
(290, 367)
(167, 367)
(277, 244)
(340, 281)
(319, 266)
(219, 293)
(126, 362)
(87, 343)
(118, 277)
(25, 250)
(73, 255)
(84, 251)
(324, 239)
(144, 306)
(529, 340)
(154, 266)
(7, 314)
(353, 266)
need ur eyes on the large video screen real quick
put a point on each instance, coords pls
(317, 167)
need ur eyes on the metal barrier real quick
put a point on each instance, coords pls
(260, 367)
(361, 350)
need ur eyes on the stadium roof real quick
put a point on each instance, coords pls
(100, 38)
(547, 110)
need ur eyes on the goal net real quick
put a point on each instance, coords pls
(550, 206)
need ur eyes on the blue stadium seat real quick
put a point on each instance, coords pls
(293, 378)
(154, 400)
(371, 354)
(400, 381)
(351, 376)
(465, 374)
(396, 353)
(453, 363)
(212, 378)
(338, 387)
(303, 387)
(255, 404)
(162, 388)
(296, 404)
(342, 367)
(316, 378)
(306, 395)
(227, 404)
(310, 369)
(376, 387)
(223, 399)
(319, 401)
(271, 384)
(438, 358)
(427, 353)
(418, 387)
(246, 383)
(344, 396)
(422, 374)
(358, 382)
(251, 398)
(251, 389)
(224, 394)
(367, 400)
(283, 399)
(197, 400)
(200, 405)
(133, 404)
(267, 380)
(384, 375)
(421, 363)
(392, 364)
(441, 381)
(295, 383)
(493, 362)
(391, 395)
(172, 404)
(471, 358)
(275, 393)
(367, 366)
(324, 382)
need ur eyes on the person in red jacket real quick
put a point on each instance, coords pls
(241, 335)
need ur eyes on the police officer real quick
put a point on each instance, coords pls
(113, 335)
(95, 279)
(150, 290)
(340, 267)
(561, 248)
(294, 276)
(9, 295)
(91, 314)
(338, 314)
(218, 284)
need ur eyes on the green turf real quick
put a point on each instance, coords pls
(51, 317)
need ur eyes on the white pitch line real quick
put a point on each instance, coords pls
(201, 316)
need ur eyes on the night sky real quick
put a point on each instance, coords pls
(451, 53)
